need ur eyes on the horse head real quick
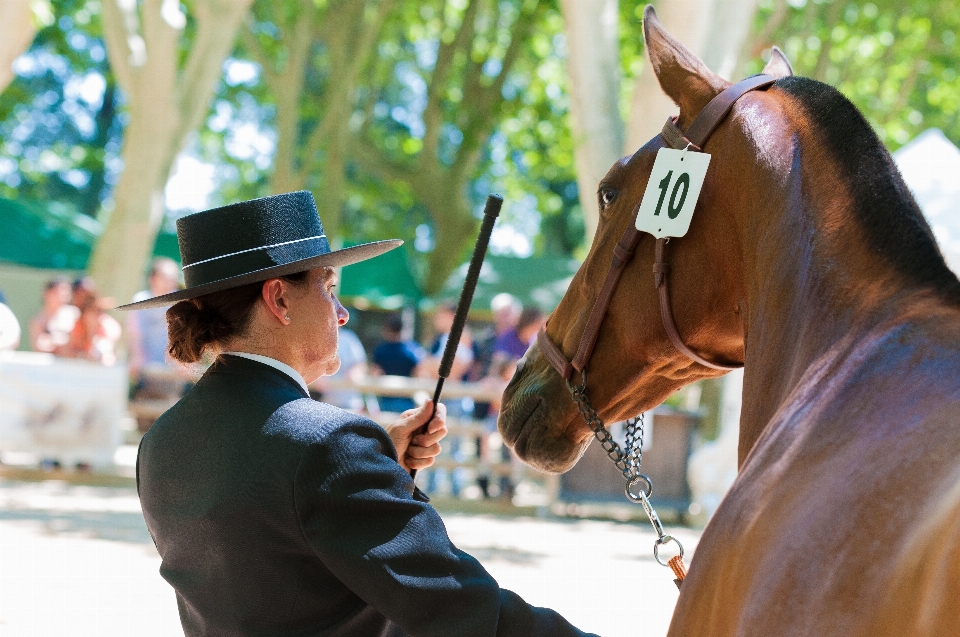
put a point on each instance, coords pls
(634, 366)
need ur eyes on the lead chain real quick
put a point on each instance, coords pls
(628, 462)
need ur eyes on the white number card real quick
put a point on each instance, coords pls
(672, 192)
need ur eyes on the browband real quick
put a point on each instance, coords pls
(695, 137)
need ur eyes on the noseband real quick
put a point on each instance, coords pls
(694, 139)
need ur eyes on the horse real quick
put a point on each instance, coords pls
(807, 261)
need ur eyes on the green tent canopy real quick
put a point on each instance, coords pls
(387, 283)
(384, 282)
(51, 235)
(539, 281)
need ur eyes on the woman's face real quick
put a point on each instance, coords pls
(315, 316)
(57, 296)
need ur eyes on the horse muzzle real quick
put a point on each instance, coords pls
(536, 417)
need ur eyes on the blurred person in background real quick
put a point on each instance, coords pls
(395, 356)
(456, 407)
(511, 346)
(353, 367)
(82, 288)
(9, 327)
(147, 334)
(85, 294)
(505, 309)
(507, 350)
(50, 327)
(94, 336)
(442, 324)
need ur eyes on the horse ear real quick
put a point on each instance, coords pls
(682, 75)
(779, 65)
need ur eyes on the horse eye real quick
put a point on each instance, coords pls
(607, 196)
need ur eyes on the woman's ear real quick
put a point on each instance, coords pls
(275, 296)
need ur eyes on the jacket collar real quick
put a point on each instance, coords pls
(241, 363)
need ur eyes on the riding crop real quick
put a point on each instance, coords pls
(490, 213)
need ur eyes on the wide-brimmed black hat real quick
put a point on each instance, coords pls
(254, 241)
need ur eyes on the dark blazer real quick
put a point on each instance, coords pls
(279, 515)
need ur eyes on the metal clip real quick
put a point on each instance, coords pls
(652, 514)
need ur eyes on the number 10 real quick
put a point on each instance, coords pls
(673, 211)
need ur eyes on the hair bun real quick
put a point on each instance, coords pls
(193, 328)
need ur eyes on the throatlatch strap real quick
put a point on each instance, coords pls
(660, 271)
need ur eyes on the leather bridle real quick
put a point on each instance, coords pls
(693, 140)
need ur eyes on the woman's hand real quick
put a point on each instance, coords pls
(417, 451)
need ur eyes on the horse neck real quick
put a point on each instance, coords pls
(811, 282)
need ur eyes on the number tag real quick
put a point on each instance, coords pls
(672, 192)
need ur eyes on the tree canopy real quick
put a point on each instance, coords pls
(895, 60)
(400, 117)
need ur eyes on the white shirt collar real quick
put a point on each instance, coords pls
(272, 362)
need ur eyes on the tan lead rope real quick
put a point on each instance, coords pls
(679, 569)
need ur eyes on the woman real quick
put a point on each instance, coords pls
(94, 335)
(50, 328)
(278, 515)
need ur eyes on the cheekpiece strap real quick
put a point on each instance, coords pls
(660, 271)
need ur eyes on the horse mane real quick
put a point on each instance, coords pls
(883, 205)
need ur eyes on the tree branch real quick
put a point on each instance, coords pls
(473, 71)
(368, 37)
(480, 119)
(753, 46)
(289, 90)
(823, 59)
(907, 85)
(252, 44)
(116, 34)
(377, 163)
(217, 28)
(352, 58)
(303, 34)
(778, 16)
(446, 53)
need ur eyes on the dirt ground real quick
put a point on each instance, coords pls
(78, 560)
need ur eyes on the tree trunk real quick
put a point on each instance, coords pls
(728, 35)
(167, 101)
(455, 228)
(121, 252)
(17, 29)
(593, 66)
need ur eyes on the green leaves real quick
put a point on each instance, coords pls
(896, 61)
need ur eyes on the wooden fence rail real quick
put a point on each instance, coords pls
(465, 433)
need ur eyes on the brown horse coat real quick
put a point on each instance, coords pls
(808, 260)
